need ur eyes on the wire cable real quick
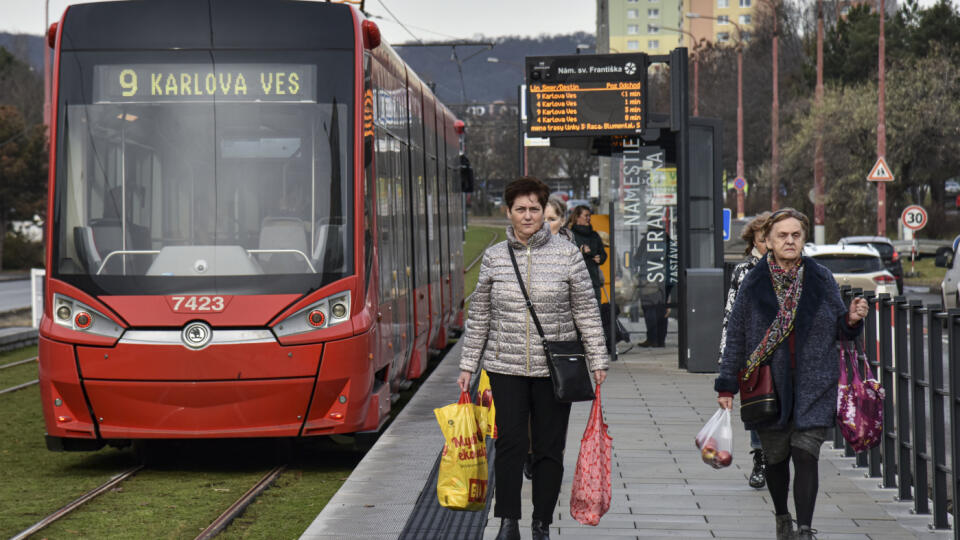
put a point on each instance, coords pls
(418, 40)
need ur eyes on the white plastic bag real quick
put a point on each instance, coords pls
(715, 440)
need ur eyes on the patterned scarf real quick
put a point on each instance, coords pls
(788, 286)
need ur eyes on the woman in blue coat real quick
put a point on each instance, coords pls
(789, 313)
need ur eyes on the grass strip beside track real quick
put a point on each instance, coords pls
(477, 239)
(36, 481)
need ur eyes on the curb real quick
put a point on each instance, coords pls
(17, 337)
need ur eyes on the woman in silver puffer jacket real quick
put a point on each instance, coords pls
(501, 333)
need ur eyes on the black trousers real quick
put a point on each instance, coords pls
(518, 400)
(655, 318)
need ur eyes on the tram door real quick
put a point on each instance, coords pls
(444, 225)
(433, 211)
(418, 219)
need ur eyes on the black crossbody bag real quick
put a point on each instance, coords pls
(566, 360)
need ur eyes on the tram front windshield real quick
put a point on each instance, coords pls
(229, 175)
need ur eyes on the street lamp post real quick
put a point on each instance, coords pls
(740, 172)
(819, 232)
(775, 115)
(881, 125)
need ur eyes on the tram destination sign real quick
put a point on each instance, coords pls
(151, 83)
(587, 95)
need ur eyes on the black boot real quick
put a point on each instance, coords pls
(758, 478)
(509, 529)
(806, 533)
(541, 531)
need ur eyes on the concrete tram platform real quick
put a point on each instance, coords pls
(661, 488)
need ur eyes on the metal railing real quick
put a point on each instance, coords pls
(904, 342)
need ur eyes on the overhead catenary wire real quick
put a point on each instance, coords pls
(414, 36)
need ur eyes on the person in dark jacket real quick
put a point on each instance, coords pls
(590, 244)
(789, 314)
(756, 249)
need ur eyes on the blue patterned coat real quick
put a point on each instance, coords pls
(820, 321)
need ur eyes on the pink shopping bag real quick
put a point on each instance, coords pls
(591, 492)
(859, 403)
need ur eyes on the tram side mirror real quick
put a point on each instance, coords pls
(466, 175)
(944, 257)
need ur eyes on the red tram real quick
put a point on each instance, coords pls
(256, 225)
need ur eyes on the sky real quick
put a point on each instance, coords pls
(428, 20)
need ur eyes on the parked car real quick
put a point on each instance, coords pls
(891, 259)
(951, 187)
(950, 286)
(857, 266)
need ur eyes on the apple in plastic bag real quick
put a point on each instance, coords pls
(723, 459)
(708, 453)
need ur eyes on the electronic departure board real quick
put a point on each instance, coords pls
(586, 95)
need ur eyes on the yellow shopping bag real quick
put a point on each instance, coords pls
(462, 479)
(485, 400)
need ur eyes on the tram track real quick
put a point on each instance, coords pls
(19, 362)
(77, 503)
(19, 386)
(241, 504)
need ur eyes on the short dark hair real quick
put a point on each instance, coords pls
(787, 213)
(526, 185)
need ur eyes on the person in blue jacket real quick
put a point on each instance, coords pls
(788, 313)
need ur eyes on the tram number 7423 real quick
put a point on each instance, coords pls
(190, 304)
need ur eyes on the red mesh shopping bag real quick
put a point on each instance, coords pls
(591, 493)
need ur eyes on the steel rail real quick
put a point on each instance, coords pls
(19, 362)
(480, 256)
(19, 386)
(241, 504)
(88, 496)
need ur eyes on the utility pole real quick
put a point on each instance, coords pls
(819, 233)
(454, 56)
(881, 125)
(775, 118)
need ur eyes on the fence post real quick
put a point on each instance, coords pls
(902, 365)
(838, 440)
(870, 344)
(887, 380)
(920, 386)
(861, 456)
(953, 350)
(935, 317)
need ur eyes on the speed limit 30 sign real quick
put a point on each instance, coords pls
(914, 217)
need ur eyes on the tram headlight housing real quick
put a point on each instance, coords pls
(78, 316)
(325, 313)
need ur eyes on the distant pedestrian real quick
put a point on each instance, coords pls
(756, 248)
(654, 293)
(554, 213)
(788, 313)
(590, 244)
(500, 333)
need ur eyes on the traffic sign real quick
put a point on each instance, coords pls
(880, 172)
(739, 183)
(914, 217)
(726, 224)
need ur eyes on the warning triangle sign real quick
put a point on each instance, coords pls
(880, 172)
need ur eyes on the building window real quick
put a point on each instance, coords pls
(633, 29)
(632, 1)
(723, 36)
(633, 45)
(653, 44)
(723, 3)
(653, 13)
(653, 29)
(745, 19)
(723, 19)
(845, 10)
(745, 3)
(632, 14)
(745, 36)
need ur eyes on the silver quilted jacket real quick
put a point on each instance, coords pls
(499, 326)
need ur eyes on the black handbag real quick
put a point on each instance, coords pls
(566, 360)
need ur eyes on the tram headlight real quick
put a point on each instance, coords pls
(82, 318)
(324, 313)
